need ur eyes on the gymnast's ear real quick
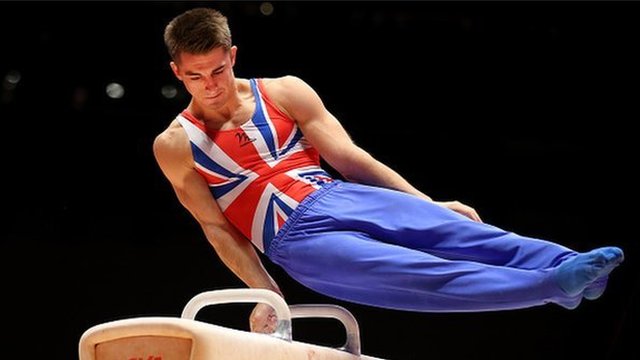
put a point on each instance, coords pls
(232, 54)
(174, 68)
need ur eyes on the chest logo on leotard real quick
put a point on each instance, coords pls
(244, 139)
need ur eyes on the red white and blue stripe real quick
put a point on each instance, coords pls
(258, 173)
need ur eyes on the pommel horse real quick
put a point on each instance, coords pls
(185, 338)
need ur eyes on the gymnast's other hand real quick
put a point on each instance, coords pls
(461, 208)
(263, 319)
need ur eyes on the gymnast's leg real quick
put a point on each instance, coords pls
(352, 267)
(410, 222)
(389, 249)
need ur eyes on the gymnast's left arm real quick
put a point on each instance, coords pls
(323, 130)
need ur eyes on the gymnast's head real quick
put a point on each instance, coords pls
(197, 31)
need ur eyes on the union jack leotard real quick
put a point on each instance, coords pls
(259, 172)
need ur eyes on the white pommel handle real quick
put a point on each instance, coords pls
(226, 296)
(339, 313)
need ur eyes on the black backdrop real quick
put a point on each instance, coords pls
(524, 110)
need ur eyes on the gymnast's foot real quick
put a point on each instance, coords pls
(596, 288)
(587, 273)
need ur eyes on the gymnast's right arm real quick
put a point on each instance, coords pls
(173, 154)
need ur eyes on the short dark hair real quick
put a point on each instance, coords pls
(197, 31)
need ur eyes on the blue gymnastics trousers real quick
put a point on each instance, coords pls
(389, 249)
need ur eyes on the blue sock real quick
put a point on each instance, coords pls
(579, 272)
(596, 288)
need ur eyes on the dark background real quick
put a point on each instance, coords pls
(524, 110)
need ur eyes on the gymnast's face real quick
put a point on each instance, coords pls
(207, 77)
